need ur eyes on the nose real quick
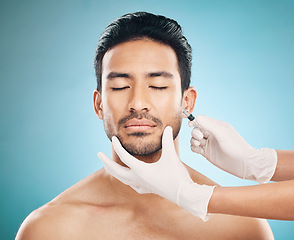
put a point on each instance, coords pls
(139, 100)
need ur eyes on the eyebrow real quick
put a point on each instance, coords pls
(113, 75)
(160, 74)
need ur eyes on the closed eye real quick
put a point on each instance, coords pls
(158, 88)
(120, 89)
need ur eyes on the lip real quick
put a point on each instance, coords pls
(139, 124)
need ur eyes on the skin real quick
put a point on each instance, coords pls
(138, 92)
(271, 201)
(285, 166)
(101, 207)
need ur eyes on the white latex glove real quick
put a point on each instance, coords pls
(167, 177)
(224, 147)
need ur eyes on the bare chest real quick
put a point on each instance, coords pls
(119, 223)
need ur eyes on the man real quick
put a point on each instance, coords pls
(143, 69)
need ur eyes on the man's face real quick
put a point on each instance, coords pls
(141, 94)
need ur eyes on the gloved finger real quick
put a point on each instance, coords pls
(193, 124)
(203, 142)
(114, 168)
(140, 190)
(195, 142)
(123, 174)
(212, 125)
(202, 131)
(125, 181)
(197, 134)
(167, 141)
(205, 122)
(125, 157)
(130, 181)
(199, 150)
(205, 133)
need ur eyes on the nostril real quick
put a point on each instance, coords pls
(143, 109)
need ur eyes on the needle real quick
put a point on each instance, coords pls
(190, 116)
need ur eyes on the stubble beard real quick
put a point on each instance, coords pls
(139, 146)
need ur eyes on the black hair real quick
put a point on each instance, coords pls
(139, 25)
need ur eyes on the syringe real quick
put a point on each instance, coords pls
(190, 116)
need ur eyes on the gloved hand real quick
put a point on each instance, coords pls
(167, 177)
(224, 147)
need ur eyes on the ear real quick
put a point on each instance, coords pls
(98, 104)
(189, 99)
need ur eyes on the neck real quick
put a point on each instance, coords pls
(151, 158)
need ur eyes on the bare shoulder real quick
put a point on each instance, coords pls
(233, 227)
(65, 217)
(47, 222)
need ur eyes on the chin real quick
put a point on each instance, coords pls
(142, 147)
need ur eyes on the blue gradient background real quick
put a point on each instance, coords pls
(242, 69)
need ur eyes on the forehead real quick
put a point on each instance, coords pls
(140, 56)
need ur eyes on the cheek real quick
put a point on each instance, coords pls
(113, 109)
(108, 109)
(168, 105)
(115, 100)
